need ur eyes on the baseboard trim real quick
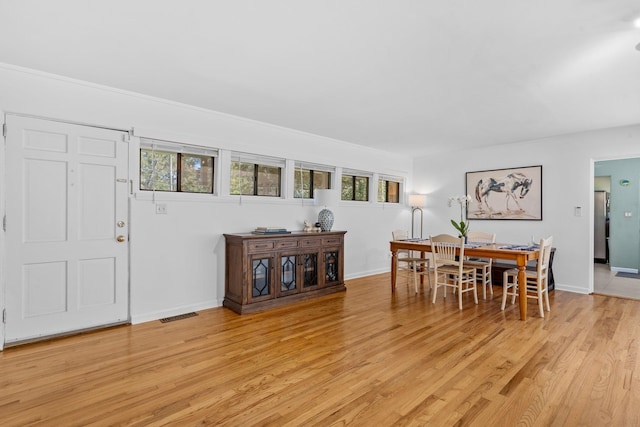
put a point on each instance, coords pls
(625, 270)
(568, 288)
(157, 315)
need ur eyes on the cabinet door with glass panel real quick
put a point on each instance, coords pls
(331, 258)
(331, 266)
(262, 283)
(298, 272)
(309, 262)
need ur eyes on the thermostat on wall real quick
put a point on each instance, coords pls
(624, 182)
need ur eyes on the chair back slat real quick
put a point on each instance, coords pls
(400, 234)
(536, 284)
(543, 257)
(480, 237)
(447, 249)
(449, 269)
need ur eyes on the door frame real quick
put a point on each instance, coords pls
(3, 233)
(3, 180)
(593, 162)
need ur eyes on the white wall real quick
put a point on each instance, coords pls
(177, 260)
(567, 174)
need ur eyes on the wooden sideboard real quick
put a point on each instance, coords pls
(269, 270)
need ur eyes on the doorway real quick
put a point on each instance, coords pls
(616, 270)
(66, 234)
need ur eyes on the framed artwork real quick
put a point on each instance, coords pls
(514, 193)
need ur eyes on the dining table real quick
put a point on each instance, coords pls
(521, 254)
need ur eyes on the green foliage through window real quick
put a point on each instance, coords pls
(308, 180)
(176, 172)
(355, 188)
(388, 191)
(252, 179)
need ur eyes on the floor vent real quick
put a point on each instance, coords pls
(178, 317)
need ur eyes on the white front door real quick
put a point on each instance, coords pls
(66, 228)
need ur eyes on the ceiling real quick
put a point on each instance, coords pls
(408, 76)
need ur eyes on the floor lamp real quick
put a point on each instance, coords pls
(416, 201)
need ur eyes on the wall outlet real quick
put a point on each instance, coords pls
(161, 208)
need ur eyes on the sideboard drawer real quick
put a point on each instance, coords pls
(310, 243)
(331, 241)
(287, 244)
(261, 246)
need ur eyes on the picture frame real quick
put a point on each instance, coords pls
(506, 194)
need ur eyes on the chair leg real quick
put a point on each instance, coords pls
(490, 281)
(435, 289)
(546, 296)
(505, 289)
(415, 275)
(408, 274)
(509, 285)
(475, 288)
(540, 300)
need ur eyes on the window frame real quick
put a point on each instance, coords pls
(312, 169)
(257, 162)
(180, 151)
(354, 176)
(386, 180)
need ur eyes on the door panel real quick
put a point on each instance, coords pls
(44, 288)
(45, 195)
(66, 193)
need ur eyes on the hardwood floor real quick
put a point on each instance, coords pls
(362, 357)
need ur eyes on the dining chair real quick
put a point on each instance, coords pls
(537, 281)
(409, 263)
(482, 265)
(450, 269)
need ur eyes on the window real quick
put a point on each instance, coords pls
(173, 168)
(253, 179)
(388, 191)
(355, 187)
(307, 179)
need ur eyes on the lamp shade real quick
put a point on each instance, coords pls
(327, 198)
(417, 200)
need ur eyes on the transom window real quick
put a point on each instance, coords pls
(388, 191)
(307, 180)
(253, 179)
(355, 187)
(175, 170)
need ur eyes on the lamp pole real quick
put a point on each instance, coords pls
(413, 213)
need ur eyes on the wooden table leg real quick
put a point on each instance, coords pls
(394, 266)
(522, 287)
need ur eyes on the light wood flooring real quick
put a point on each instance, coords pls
(364, 357)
